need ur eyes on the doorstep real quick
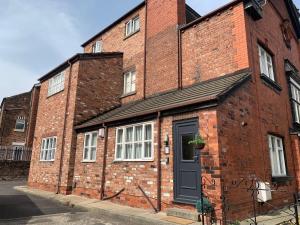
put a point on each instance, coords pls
(107, 209)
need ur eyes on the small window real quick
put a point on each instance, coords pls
(295, 94)
(277, 156)
(97, 47)
(48, 149)
(56, 84)
(132, 26)
(134, 143)
(90, 146)
(20, 124)
(266, 63)
(129, 82)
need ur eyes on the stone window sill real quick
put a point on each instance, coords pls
(128, 94)
(88, 161)
(283, 179)
(130, 35)
(270, 83)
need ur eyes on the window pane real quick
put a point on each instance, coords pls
(119, 152)
(128, 151)
(87, 140)
(93, 153)
(54, 143)
(20, 125)
(129, 134)
(187, 149)
(148, 150)
(148, 132)
(132, 82)
(53, 154)
(94, 139)
(138, 150)
(281, 162)
(136, 24)
(120, 136)
(138, 133)
(86, 153)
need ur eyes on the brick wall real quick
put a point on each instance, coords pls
(163, 18)
(99, 87)
(13, 169)
(215, 46)
(133, 48)
(13, 107)
(129, 175)
(89, 94)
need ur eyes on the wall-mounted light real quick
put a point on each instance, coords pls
(166, 143)
(101, 133)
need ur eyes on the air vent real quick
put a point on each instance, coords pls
(254, 9)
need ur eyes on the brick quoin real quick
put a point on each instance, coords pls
(235, 130)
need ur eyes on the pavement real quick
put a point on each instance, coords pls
(20, 205)
(89, 211)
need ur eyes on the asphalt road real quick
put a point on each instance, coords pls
(17, 208)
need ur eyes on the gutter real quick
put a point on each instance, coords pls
(145, 49)
(64, 130)
(158, 207)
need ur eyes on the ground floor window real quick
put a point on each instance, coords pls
(90, 146)
(277, 156)
(48, 149)
(134, 142)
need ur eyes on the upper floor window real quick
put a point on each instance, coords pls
(266, 63)
(97, 47)
(90, 146)
(20, 124)
(56, 84)
(134, 142)
(129, 82)
(48, 149)
(277, 156)
(132, 26)
(295, 94)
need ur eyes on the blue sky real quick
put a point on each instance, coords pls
(36, 35)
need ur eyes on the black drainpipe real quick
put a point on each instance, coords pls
(102, 190)
(158, 207)
(64, 129)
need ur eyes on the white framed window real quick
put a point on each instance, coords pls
(129, 82)
(132, 26)
(20, 124)
(97, 47)
(56, 84)
(134, 143)
(277, 156)
(295, 92)
(266, 63)
(90, 146)
(48, 149)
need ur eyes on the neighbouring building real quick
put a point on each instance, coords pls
(17, 125)
(231, 76)
(17, 119)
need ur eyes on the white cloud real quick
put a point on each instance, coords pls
(35, 36)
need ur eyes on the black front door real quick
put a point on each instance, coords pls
(186, 163)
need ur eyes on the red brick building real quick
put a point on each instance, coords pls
(230, 76)
(17, 119)
(78, 89)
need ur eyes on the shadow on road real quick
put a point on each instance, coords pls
(17, 206)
